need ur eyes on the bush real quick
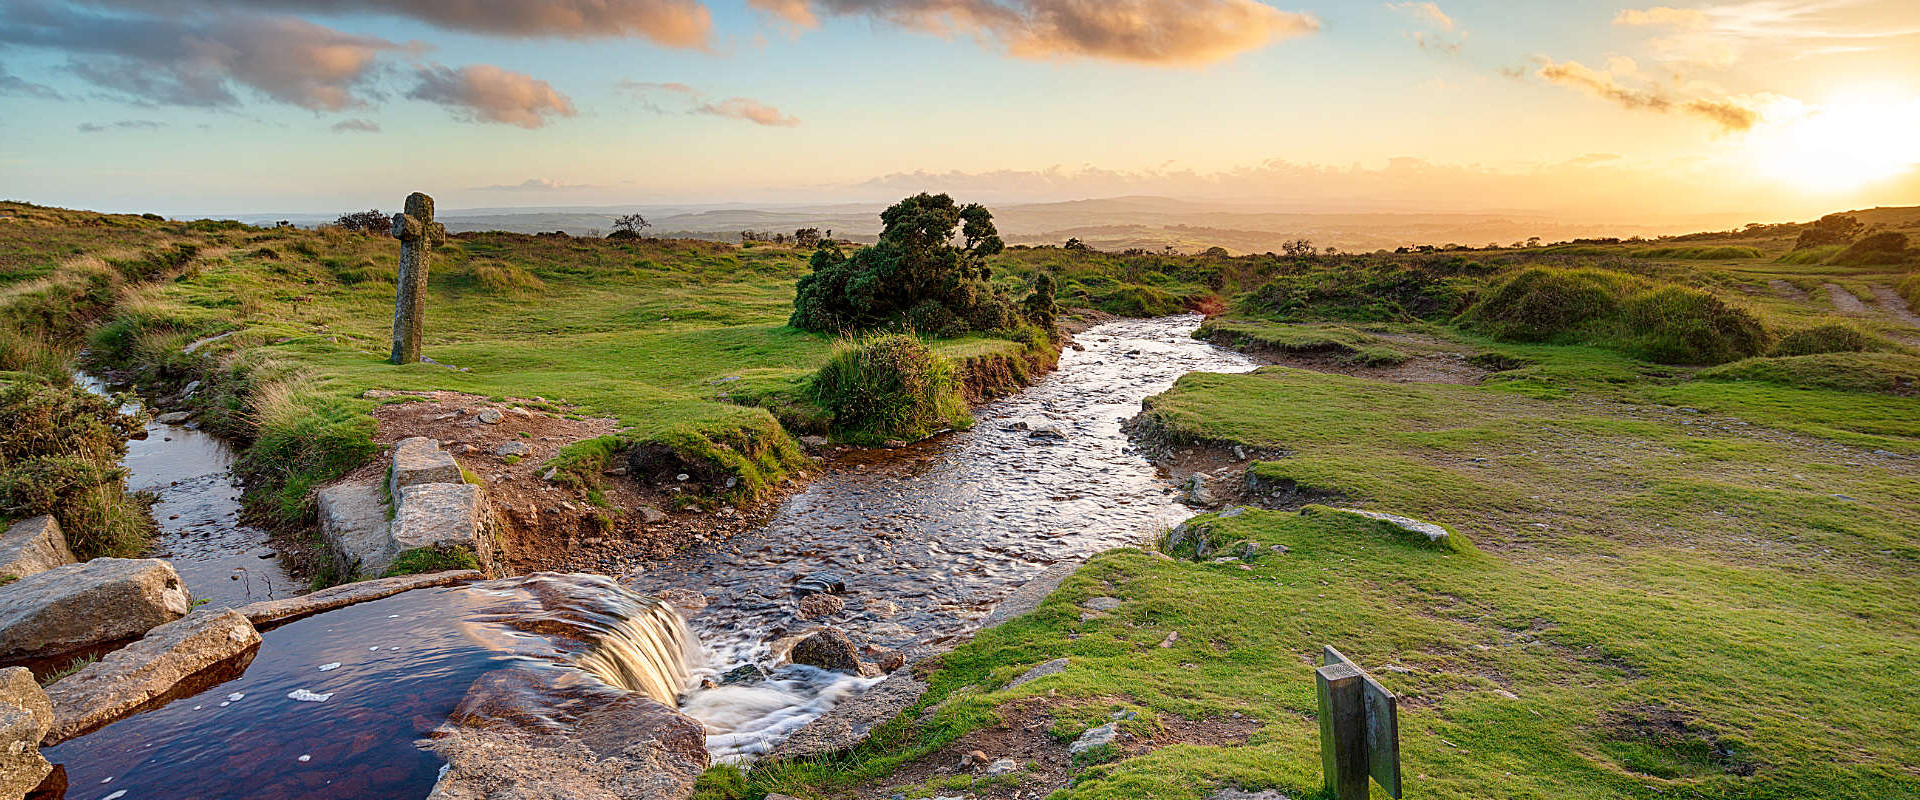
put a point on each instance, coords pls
(889, 386)
(1369, 291)
(1140, 301)
(1659, 322)
(370, 222)
(60, 451)
(914, 263)
(1832, 337)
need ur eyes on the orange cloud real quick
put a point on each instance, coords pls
(1157, 32)
(486, 93)
(1730, 113)
(750, 110)
(1662, 16)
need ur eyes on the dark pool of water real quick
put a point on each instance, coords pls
(931, 537)
(403, 664)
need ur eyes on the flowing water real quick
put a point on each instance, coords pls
(929, 538)
(198, 514)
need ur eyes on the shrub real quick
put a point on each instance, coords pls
(370, 222)
(914, 263)
(1140, 301)
(1833, 337)
(1539, 304)
(60, 451)
(1680, 325)
(1369, 291)
(889, 386)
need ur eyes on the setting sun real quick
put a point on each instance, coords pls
(1857, 139)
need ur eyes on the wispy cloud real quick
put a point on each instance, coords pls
(1720, 35)
(1429, 13)
(355, 126)
(1441, 34)
(486, 93)
(122, 125)
(15, 86)
(696, 102)
(1153, 32)
(1623, 85)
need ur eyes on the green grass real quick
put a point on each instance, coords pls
(1703, 253)
(422, 560)
(1339, 341)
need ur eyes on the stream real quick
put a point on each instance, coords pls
(928, 538)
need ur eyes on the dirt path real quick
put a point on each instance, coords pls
(1844, 300)
(1787, 290)
(1892, 303)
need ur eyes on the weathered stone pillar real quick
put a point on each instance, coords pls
(418, 235)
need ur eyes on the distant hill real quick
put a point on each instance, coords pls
(1115, 223)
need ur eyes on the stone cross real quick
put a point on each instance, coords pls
(418, 235)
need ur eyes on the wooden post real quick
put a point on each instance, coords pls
(1343, 730)
(1377, 728)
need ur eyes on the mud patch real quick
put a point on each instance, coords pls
(548, 526)
(1660, 742)
(1042, 763)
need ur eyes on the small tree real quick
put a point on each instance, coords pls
(1075, 244)
(370, 222)
(807, 238)
(1829, 230)
(915, 275)
(1040, 307)
(629, 226)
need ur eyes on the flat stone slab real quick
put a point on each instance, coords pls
(1053, 667)
(77, 606)
(1434, 533)
(33, 546)
(269, 612)
(1030, 594)
(418, 460)
(127, 679)
(353, 521)
(850, 722)
(437, 515)
(25, 715)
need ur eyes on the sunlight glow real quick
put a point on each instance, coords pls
(1846, 143)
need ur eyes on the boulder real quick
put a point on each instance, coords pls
(33, 546)
(628, 747)
(829, 649)
(1092, 738)
(853, 720)
(743, 674)
(419, 460)
(25, 716)
(443, 515)
(1434, 533)
(1046, 430)
(513, 448)
(1196, 493)
(125, 680)
(815, 606)
(1053, 667)
(819, 583)
(353, 522)
(78, 606)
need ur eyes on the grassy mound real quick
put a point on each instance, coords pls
(1833, 337)
(1661, 322)
(60, 451)
(1886, 247)
(1338, 341)
(1699, 253)
(1132, 300)
(889, 386)
(1369, 291)
(1883, 373)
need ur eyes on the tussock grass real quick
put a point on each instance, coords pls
(1884, 373)
(889, 386)
(1658, 321)
(1699, 253)
(1833, 337)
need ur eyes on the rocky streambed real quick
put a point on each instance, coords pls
(479, 689)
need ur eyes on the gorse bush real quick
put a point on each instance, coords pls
(914, 277)
(1887, 247)
(1659, 322)
(1833, 337)
(889, 386)
(60, 451)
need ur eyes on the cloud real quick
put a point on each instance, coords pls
(1429, 13)
(741, 108)
(122, 125)
(1154, 32)
(191, 61)
(750, 110)
(676, 23)
(14, 86)
(1623, 85)
(356, 126)
(536, 185)
(486, 93)
(1662, 16)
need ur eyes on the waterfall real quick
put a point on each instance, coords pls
(651, 651)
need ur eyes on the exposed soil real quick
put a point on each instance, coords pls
(1892, 303)
(1044, 763)
(1674, 733)
(1787, 290)
(1843, 300)
(553, 527)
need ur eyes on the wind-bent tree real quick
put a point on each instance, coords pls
(917, 276)
(628, 226)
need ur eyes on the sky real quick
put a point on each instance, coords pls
(1774, 109)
